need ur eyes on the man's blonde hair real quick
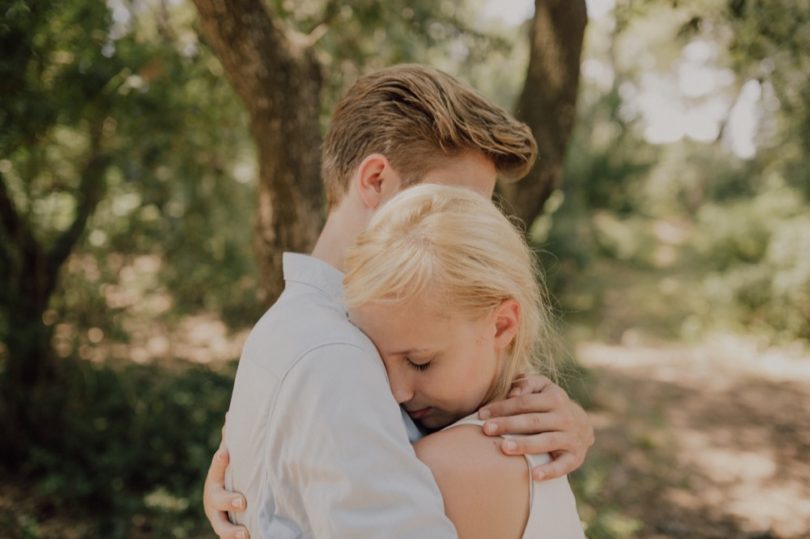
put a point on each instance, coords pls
(417, 117)
(456, 250)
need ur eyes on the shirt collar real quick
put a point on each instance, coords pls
(313, 272)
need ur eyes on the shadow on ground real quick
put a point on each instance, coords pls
(691, 447)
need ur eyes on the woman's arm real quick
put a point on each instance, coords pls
(486, 493)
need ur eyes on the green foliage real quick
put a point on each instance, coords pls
(728, 232)
(607, 159)
(136, 446)
(759, 251)
(82, 86)
(359, 36)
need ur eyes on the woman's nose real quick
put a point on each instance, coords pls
(400, 388)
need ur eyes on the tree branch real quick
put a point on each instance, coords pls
(90, 192)
(9, 217)
(17, 231)
(330, 12)
(253, 46)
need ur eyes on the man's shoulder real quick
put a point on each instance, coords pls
(300, 326)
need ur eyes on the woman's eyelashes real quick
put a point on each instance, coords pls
(423, 366)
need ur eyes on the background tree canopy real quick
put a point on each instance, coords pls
(148, 185)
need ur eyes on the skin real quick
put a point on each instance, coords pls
(441, 368)
(486, 493)
(536, 406)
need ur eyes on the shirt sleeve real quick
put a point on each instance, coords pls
(338, 443)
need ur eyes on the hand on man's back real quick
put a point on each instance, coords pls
(217, 500)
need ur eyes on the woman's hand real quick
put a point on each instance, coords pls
(554, 424)
(218, 501)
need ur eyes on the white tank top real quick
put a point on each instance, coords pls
(552, 508)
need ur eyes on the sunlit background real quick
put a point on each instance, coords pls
(676, 247)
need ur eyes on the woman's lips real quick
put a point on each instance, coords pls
(418, 414)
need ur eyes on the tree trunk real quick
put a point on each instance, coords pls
(28, 361)
(30, 274)
(277, 76)
(548, 101)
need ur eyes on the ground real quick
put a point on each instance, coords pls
(700, 433)
(699, 442)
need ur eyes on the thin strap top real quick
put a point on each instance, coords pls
(552, 507)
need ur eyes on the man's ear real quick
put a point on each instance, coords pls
(506, 320)
(376, 180)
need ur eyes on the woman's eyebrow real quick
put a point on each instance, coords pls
(410, 351)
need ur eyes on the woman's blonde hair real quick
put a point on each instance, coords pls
(456, 248)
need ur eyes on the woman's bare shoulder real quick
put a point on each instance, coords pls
(486, 493)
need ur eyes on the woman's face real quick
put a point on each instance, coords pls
(440, 367)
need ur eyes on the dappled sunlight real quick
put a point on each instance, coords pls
(201, 338)
(143, 309)
(717, 426)
(205, 339)
(726, 356)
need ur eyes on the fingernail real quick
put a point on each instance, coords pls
(490, 428)
(509, 446)
(237, 503)
(484, 413)
(220, 455)
(241, 534)
(538, 475)
(514, 392)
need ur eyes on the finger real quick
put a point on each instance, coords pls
(216, 472)
(564, 464)
(520, 386)
(582, 424)
(533, 402)
(548, 442)
(226, 530)
(530, 383)
(535, 424)
(215, 497)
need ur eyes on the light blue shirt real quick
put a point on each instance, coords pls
(317, 442)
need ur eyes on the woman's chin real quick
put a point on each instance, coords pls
(438, 420)
(432, 424)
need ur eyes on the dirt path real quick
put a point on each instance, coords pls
(704, 441)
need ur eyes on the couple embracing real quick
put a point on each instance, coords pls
(394, 389)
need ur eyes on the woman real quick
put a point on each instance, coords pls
(446, 288)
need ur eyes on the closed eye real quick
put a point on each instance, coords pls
(418, 366)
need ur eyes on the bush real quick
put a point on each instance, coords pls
(760, 250)
(136, 445)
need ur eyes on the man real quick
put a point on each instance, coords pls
(318, 445)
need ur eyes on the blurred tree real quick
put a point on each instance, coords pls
(98, 114)
(770, 43)
(656, 178)
(276, 70)
(278, 77)
(548, 101)
(55, 84)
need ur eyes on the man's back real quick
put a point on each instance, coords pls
(317, 442)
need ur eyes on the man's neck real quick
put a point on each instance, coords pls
(341, 229)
